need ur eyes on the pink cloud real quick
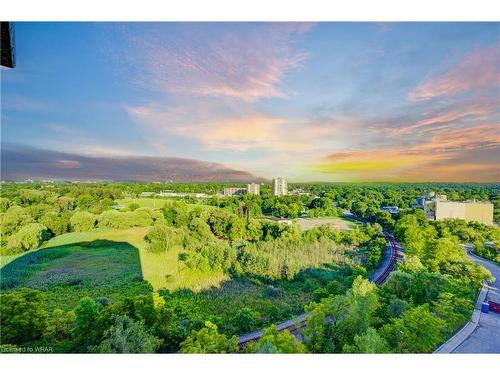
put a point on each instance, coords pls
(456, 114)
(246, 63)
(479, 69)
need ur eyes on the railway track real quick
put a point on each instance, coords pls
(295, 324)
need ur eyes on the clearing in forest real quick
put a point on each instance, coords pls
(336, 222)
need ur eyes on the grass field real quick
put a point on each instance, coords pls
(160, 270)
(336, 222)
(143, 202)
(68, 272)
(156, 202)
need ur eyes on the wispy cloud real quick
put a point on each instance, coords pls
(24, 104)
(252, 131)
(455, 114)
(478, 69)
(247, 62)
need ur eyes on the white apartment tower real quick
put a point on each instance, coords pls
(279, 186)
(253, 188)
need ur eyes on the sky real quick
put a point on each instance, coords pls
(236, 101)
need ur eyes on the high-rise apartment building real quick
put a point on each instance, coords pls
(280, 186)
(253, 188)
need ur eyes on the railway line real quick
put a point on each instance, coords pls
(379, 277)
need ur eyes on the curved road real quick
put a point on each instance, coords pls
(379, 277)
(486, 336)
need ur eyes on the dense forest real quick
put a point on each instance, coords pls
(259, 271)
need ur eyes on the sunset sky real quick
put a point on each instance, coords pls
(309, 102)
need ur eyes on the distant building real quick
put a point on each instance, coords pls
(253, 188)
(234, 191)
(147, 194)
(280, 220)
(280, 186)
(172, 194)
(439, 208)
(299, 192)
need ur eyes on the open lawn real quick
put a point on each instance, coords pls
(336, 222)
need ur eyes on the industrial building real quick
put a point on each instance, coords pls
(280, 186)
(253, 188)
(439, 208)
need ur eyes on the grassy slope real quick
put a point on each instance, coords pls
(159, 270)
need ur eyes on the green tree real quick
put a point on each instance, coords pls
(29, 237)
(22, 316)
(57, 224)
(82, 221)
(417, 331)
(60, 324)
(273, 341)
(209, 340)
(245, 319)
(86, 315)
(127, 336)
(370, 342)
(13, 219)
(161, 238)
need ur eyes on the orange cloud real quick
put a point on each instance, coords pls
(435, 159)
(478, 70)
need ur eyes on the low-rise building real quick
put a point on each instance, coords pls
(172, 194)
(299, 192)
(234, 191)
(440, 208)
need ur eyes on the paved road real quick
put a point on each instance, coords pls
(486, 337)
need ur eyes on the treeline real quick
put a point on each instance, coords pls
(258, 248)
(289, 206)
(26, 228)
(485, 239)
